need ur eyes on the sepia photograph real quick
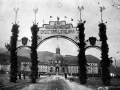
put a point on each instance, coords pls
(59, 44)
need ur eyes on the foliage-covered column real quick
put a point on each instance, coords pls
(105, 62)
(13, 53)
(81, 56)
(34, 61)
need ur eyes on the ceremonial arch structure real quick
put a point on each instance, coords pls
(60, 29)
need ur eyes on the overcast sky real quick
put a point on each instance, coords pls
(62, 8)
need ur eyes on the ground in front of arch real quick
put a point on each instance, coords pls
(55, 82)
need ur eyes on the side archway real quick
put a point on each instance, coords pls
(99, 48)
(20, 47)
(23, 67)
(92, 42)
(24, 42)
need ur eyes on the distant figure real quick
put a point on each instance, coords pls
(65, 76)
(19, 74)
(71, 79)
(39, 75)
(24, 75)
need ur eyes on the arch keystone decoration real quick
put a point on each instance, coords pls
(93, 42)
(23, 42)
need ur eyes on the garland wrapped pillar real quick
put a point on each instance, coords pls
(34, 61)
(105, 62)
(81, 56)
(13, 53)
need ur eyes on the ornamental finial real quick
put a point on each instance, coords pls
(35, 11)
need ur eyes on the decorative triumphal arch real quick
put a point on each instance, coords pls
(24, 42)
(57, 29)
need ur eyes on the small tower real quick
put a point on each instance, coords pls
(57, 50)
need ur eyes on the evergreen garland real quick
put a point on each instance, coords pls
(81, 56)
(34, 62)
(13, 53)
(105, 62)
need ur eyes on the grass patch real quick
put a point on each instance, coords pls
(95, 82)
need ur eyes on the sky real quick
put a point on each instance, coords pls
(61, 8)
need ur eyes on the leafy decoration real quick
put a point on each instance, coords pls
(34, 62)
(13, 53)
(81, 56)
(105, 62)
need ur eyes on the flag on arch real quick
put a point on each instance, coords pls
(82, 7)
(71, 19)
(65, 17)
(58, 18)
(104, 8)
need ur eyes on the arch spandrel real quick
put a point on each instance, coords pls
(58, 28)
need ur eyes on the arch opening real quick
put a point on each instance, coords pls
(95, 47)
(58, 36)
(95, 51)
(93, 57)
(21, 47)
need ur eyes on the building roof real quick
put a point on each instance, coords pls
(42, 63)
(58, 57)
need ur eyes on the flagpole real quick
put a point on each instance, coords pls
(80, 16)
(43, 21)
(80, 3)
(16, 11)
(36, 3)
(101, 10)
(100, 3)
(101, 15)
(35, 11)
(115, 62)
(80, 9)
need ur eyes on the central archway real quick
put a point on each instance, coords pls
(62, 41)
(58, 36)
